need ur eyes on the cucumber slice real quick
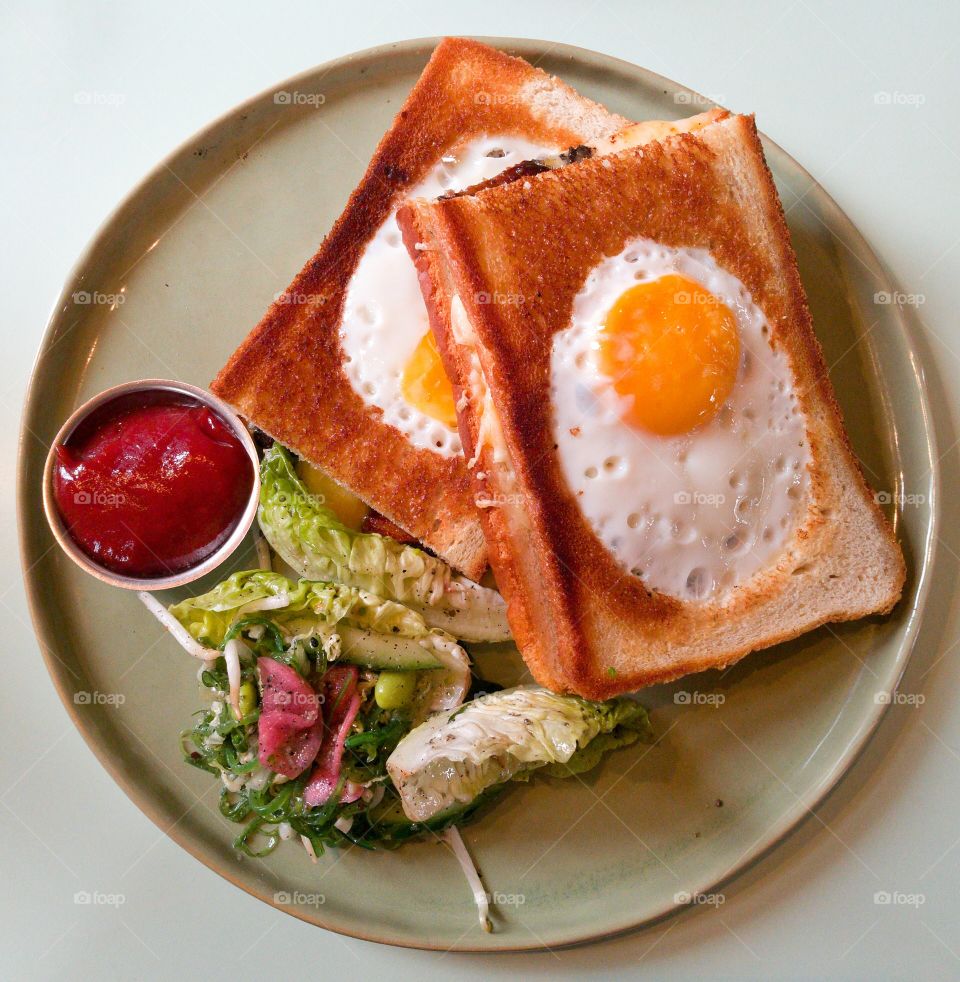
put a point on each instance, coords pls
(387, 652)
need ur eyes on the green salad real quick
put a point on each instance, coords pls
(340, 706)
(390, 672)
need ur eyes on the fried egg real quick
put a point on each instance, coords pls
(390, 355)
(677, 424)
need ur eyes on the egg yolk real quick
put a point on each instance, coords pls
(671, 347)
(343, 503)
(425, 385)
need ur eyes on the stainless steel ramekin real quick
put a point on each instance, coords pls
(184, 576)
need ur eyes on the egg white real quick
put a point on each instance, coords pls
(384, 317)
(694, 516)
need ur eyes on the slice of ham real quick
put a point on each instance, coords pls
(290, 728)
(291, 752)
(341, 701)
(286, 691)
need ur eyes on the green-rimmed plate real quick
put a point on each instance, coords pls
(170, 285)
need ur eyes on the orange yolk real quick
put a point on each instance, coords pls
(425, 385)
(671, 346)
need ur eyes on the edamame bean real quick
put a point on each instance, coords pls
(247, 699)
(395, 690)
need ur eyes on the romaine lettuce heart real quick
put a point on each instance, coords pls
(311, 540)
(453, 757)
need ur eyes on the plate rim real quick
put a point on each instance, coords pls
(793, 818)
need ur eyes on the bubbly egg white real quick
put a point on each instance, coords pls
(695, 515)
(384, 316)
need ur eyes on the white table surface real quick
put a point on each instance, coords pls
(811, 71)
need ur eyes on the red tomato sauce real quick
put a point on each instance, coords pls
(151, 483)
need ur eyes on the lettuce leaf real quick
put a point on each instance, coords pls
(452, 758)
(355, 625)
(628, 721)
(312, 541)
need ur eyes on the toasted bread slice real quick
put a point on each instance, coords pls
(289, 376)
(583, 622)
(656, 131)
